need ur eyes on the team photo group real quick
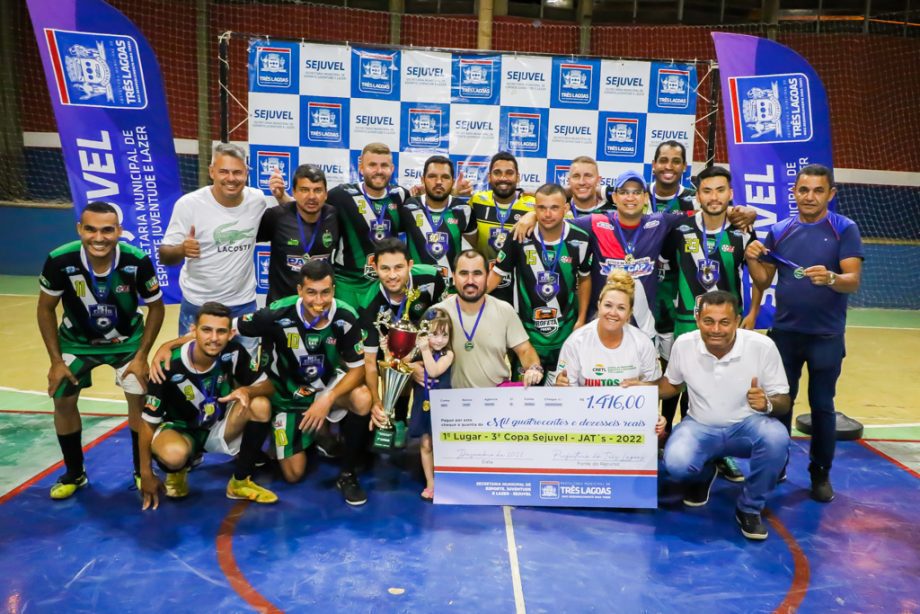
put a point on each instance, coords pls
(630, 281)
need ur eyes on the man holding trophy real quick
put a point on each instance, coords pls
(390, 317)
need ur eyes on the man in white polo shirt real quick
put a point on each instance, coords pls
(737, 388)
(213, 229)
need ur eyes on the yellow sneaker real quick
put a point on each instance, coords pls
(177, 484)
(249, 490)
(65, 490)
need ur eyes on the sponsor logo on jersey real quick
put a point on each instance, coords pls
(673, 88)
(546, 320)
(97, 70)
(284, 322)
(273, 66)
(637, 268)
(771, 108)
(621, 136)
(267, 162)
(651, 224)
(376, 72)
(728, 249)
(477, 77)
(425, 128)
(122, 288)
(129, 270)
(575, 83)
(524, 131)
(70, 270)
(324, 121)
(178, 377)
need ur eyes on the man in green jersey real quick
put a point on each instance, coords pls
(552, 272)
(214, 399)
(398, 274)
(438, 225)
(314, 347)
(98, 279)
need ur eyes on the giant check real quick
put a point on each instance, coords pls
(572, 447)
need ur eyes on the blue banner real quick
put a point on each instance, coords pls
(776, 121)
(110, 107)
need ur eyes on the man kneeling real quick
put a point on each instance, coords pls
(737, 388)
(213, 398)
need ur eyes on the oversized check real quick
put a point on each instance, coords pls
(571, 447)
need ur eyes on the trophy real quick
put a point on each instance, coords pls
(398, 345)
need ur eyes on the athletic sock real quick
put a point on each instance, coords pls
(254, 435)
(135, 455)
(72, 449)
(355, 432)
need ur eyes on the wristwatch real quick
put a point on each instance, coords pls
(769, 408)
(831, 278)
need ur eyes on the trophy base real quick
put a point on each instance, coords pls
(393, 437)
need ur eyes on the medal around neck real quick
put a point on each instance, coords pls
(397, 340)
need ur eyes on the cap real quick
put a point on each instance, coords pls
(625, 176)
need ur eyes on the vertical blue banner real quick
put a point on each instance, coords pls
(776, 121)
(110, 107)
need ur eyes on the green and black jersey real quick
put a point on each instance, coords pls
(302, 360)
(547, 277)
(684, 200)
(426, 279)
(100, 311)
(188, 397)
(435, 237)
(294, 241)
(363, 221)
(602, 207)
(687, 249)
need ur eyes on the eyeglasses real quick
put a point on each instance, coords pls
(624, 192)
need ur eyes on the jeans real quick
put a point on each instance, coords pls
(189, 311)
(693, 446)
(824, 356)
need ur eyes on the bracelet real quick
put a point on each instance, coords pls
(831, 278)
(537, 366)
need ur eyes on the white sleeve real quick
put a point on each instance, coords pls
(649, 367)
(179, 223)
(568, 360)
(674, 373)
(772, 375)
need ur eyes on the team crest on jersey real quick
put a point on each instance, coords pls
(313, 342)
(312, 366)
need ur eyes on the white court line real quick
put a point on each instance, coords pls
(891, 426)
(45, 394)
(513, 559)
(884, 327)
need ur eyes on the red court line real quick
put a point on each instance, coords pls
(547, 471)
(801, 573)
(228, 562)
(892, 460)
(51, 411)
(60, 464)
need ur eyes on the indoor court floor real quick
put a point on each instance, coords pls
(97, 552)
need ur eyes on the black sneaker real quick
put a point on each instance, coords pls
(751, 525)
(697, 494)
(821, 489)
(329, 446)
(728, 469)
(351, 490)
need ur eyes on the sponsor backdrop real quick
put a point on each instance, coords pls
(111, 113)
(321, 104)
(776, 121)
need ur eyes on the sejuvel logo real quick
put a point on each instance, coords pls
(376, 73)
(324, 121)
(673, 88)
(267, 162)
(424, 127)
(771, 108)
(621, 136)
(524, 131)
(273, 66)
(476, 78)
(97, 70)
(575, 83)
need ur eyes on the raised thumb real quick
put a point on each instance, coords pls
(754, 383)
(191, 233)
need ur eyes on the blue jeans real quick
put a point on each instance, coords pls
(189, 311)
(824, 356)
(693, 446)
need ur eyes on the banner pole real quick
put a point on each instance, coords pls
(713, 132)
(223, 55)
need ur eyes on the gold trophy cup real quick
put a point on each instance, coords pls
(397, 340)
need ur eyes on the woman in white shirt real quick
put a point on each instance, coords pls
(609, 351)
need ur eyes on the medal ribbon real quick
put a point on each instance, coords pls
(718, 238)
(628, 247)
(428, 214)
(543, 250)
(210, 391)
(303, 236)
(315, 321)
(469, 336)
(372, 202)
(94, 282)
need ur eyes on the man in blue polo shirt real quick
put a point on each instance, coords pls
(818, 255)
